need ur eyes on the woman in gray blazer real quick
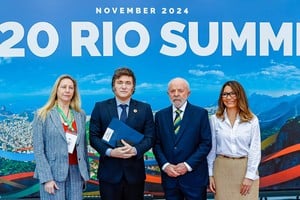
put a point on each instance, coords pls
(59, 142)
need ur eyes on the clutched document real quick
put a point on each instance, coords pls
(118, 130)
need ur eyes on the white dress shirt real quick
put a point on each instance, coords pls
(241, 139)
(182, 108)
(119, 107)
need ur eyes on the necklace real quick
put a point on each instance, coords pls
(67, 121)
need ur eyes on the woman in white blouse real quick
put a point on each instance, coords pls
(236, 147)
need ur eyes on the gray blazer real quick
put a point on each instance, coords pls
(51, 150)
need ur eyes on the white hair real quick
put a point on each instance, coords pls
(179, 79)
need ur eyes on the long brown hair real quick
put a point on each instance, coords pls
(75, 101)
(242, 102)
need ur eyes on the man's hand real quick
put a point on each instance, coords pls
(181, 168)
(126, 151)
(171, 170)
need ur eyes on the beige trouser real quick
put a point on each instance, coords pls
(229, 174)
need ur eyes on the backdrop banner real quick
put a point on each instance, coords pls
(207, 42)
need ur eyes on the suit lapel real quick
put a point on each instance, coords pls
(112, 108)
(169, 118)
(77, 118)
(133, 110)
(184, 122)
(54, 115)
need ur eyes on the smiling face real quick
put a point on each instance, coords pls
(229, 98)
(123, 87)
(178, 92)
(65, 91)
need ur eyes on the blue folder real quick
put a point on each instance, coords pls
(118, 130)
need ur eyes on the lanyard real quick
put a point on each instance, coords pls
(67, 122)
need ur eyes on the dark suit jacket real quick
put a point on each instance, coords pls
(191, 144)
(140, 117)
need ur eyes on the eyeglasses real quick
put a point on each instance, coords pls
(226, 94)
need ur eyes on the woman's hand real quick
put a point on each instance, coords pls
(212, 185)
(246, 186)
(50, 187)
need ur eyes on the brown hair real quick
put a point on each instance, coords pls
(242, 102)
(75, 101)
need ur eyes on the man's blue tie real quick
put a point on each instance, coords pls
(123, 115)
(177, 121)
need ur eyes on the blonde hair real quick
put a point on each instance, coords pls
(242, 102)
(52, 101)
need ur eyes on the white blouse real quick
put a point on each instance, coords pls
(241, 139)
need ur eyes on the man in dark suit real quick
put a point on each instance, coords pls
(121, 171)
(183, 141)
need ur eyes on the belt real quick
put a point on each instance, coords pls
(242, 157)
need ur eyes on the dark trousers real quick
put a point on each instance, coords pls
(121, 191)
(186, 193)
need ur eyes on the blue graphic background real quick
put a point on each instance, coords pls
(272, 82)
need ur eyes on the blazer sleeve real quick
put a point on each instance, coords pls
(148, 131)
(205, 142)
(157, 150)
(97, 130)
(212, 154)
(43, 170)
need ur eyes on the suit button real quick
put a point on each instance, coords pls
(175, 147)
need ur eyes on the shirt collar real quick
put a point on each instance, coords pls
(182, 108)
(119, 102)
